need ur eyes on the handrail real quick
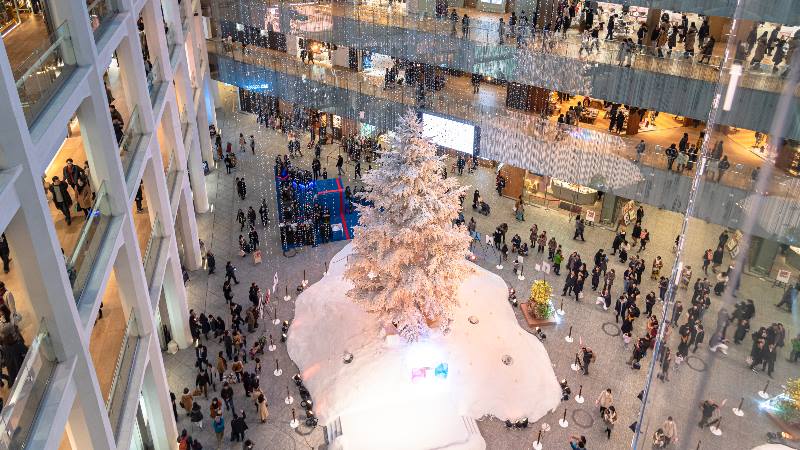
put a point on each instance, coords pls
(451, 105)
(130, 338)
(62, 36)
(31, 385)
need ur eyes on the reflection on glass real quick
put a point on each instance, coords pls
(81, 261)
(41, 74)
(25, 400)
(123, 371)
(100, 14)
(152, 250)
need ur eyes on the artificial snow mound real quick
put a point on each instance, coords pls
(457, 377)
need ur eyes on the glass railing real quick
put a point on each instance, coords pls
(100, 14)
(123, 371)
(457, 105)
(172, 179)
(150, 258)
(184, 118)
(131, 138)
(154, 78)
(40, 75)
(172, 41)
(762, 76)
(183, 8)
(24, 401)
(81, 261)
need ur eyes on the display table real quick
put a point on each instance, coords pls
(573, 193)
(588, 115)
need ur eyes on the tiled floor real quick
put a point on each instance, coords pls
(457, 99)
(25, 41)
(705, 375)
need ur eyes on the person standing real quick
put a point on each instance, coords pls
(640, 148)
(61, 198)
(670, 431)
(587, 355)
(252, 144)
(238, 427)
(339, 165)
(5, 252)
(316, 168)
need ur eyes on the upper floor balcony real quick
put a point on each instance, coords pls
(662, 80)
(587, 156)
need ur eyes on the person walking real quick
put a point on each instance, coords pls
(610, 418)
(227, 397)
(230, 272)
(218, 423)
(187, 400)
(196, 416)
(61, 198)
(263, 408)
(604, 400)
(709, 409)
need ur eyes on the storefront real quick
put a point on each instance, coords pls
(551, 193)
(9, 16)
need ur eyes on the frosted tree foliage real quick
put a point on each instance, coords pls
(409, 258)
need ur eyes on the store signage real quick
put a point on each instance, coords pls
(783, 276)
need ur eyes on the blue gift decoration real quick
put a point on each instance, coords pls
(441, 370)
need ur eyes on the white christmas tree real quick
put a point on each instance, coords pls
(409, 258)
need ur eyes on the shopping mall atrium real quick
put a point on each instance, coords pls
(399, 224)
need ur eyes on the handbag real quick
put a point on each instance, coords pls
(748, 360)
(241, 252)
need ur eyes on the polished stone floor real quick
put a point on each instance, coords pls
(704, 375)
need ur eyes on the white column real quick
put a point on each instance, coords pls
(186, 223)
(175, 298)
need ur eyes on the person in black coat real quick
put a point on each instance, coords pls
(5, 252)
(211, 261)
(61, 198)
(238, 427)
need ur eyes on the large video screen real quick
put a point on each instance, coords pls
(448, 133)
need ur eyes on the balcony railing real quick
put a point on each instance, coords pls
(763, 76)
(154, 78)
(131, 138)
(123, 372)
(458, 106)
(153, 248)
(27, 393)
(82, 259)
(40, 75)
(100, 14)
